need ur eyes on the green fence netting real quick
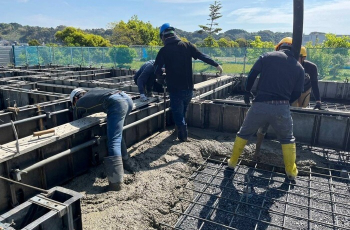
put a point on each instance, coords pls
(332, 63)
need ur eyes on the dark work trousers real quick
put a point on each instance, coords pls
(179, 102)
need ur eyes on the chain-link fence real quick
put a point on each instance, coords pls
(333, 64)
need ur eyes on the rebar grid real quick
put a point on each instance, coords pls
(336, 158)
(259, 197)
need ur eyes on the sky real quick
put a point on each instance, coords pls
(329, 16)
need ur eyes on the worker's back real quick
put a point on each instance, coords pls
(280, 75)
(178, 64)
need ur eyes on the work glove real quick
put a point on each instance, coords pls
(143, 97)
(247, 97)
(318, 106)
(219, 68)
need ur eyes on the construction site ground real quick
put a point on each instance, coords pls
(162, 168)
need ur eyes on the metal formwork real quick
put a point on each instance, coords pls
(257, 196)
(58, 208)
(320, 128)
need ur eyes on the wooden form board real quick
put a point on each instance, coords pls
(30, 143)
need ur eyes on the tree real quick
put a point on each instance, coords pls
(183, 39)
(210, 42)
(71, 36)
(122, 55)
(34, 42)
(330, 56)
(338, 62)
(210, 27)
(332, 41)
(242, 42)
(258, 47)
(134, 32)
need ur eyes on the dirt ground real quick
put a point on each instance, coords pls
(162, 166)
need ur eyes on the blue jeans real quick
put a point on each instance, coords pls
(117, 107)
(179, 102)
(260, 114)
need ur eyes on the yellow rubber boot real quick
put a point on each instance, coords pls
(289, 157)
(237, 150)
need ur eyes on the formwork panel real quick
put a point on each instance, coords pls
(232, 119)
(329, 126)
(214, 116)
(330, 90)
(303, 126)
(195, 114)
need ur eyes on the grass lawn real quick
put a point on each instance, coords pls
(231, 68)
(341, 77)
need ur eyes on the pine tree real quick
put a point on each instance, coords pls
(210, 28)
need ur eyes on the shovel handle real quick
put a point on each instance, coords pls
(39, 133)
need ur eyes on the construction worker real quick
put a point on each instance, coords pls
(176, 57)
(117, 105)
(281, 82)
(310, 81)
(145, 77)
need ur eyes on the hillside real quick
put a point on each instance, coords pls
(23, 34)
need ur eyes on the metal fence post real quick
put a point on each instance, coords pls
(38, 55)
(82, 56)
(53, 55)
(26, 55)
(103, 55)
(71, 55)
(50, 54)
(13, 56)
(89, 55)
(244, 59)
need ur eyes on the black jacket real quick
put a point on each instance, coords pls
(311, 69)
(92, 102)
(176, 57)
(145, 73)
(281, 77)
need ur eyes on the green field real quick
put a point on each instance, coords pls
(200, 67)
(341, 77)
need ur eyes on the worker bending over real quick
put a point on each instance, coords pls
(281, 82)
(146, 81)
(117, 105)
(311, 81)
(176, 57)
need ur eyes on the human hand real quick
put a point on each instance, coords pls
(247, 97)
(219, 68)
(318, 105)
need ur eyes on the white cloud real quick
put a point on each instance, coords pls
(328, 17)
(323, 16)
(261, 15)
(22, 0)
